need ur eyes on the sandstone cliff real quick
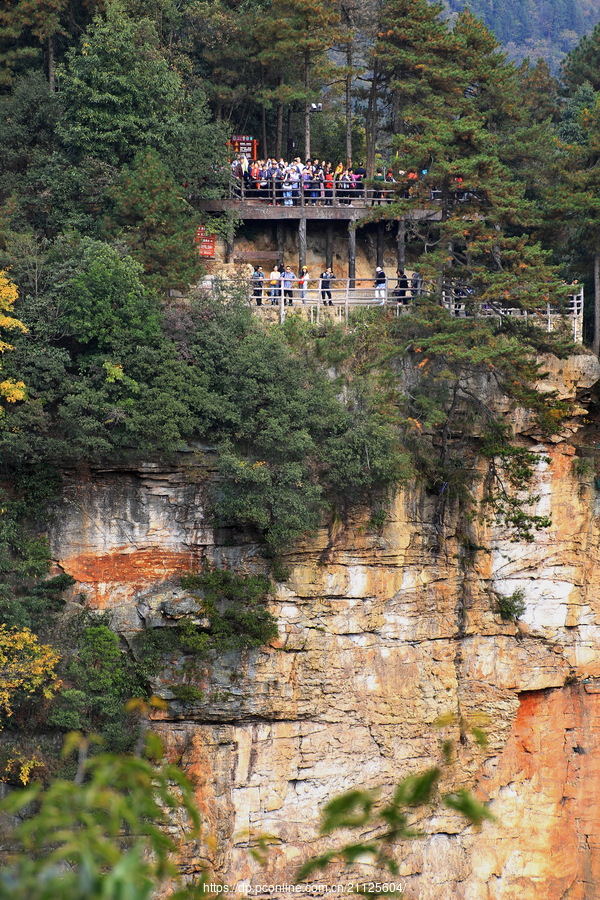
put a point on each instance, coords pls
(381, 633)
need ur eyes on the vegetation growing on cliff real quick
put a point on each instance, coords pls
(230, 616)
(66, 669)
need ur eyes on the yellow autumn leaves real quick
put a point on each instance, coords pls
(10, 391)
(25, 666)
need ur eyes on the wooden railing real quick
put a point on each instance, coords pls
(281, 193)
(275, 192)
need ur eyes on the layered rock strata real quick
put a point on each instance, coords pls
(381, 634)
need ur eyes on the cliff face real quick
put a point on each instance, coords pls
(381, 633)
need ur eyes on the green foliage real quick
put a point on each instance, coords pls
(187, 693)
(25, 27)
(27, 598)
(99, 677)
(105, 305)
(102, 835)
(234, 607)
(119, 92)
(511, 607)
(150, 216)
(378, 520)
(506, 485)
(582, 64)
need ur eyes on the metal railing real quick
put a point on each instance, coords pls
(550, 318)
(342, 294)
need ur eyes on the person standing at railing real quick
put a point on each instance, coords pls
(307, 182)
(401, 289)
(245, 168)
(294, 176)
(361, 174)
(328, 185)
(380, 286)
(416, 284)
(378, 178)
(289, 185)
(346, 185)
(326, 278)
(389, 179)
(274, 286)
(258, 280)
(288, 278)
(303, 283)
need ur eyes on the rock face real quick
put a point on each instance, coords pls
(381, 633)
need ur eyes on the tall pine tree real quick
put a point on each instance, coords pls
(456, 102)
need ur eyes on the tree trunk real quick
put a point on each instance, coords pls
(301, 244)
(279, 132)
(380, 244)
(349, 105)
(51, 61)
(371, 124)
(351, 254)
(307, 105)
(264, 132)
(596, 343)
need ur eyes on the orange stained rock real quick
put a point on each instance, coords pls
(129, 570)
(547, 790)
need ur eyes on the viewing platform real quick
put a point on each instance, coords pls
(336, 299)
(333, 211)
(318, 203)
(337, 210)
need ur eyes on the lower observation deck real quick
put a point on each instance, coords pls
(338, 296)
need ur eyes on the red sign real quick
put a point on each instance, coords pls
(206, 243)
(245, 144)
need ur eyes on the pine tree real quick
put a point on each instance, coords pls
(119, 92)
(294, 34)
(156, 223)
(457, 103)
(583, 62)
(27, 26)
(540, 91)
(573, 200)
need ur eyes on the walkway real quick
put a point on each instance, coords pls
(347, 294)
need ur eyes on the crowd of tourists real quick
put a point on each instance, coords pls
(318, 181)
(283, 285)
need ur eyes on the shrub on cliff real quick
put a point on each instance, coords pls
(442, 386)
(125, 379)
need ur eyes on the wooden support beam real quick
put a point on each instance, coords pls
(351, 254)
(280, 243)
(329, 246)
(301, 244)
(401, 244)
(256, 256)
(380, 235)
